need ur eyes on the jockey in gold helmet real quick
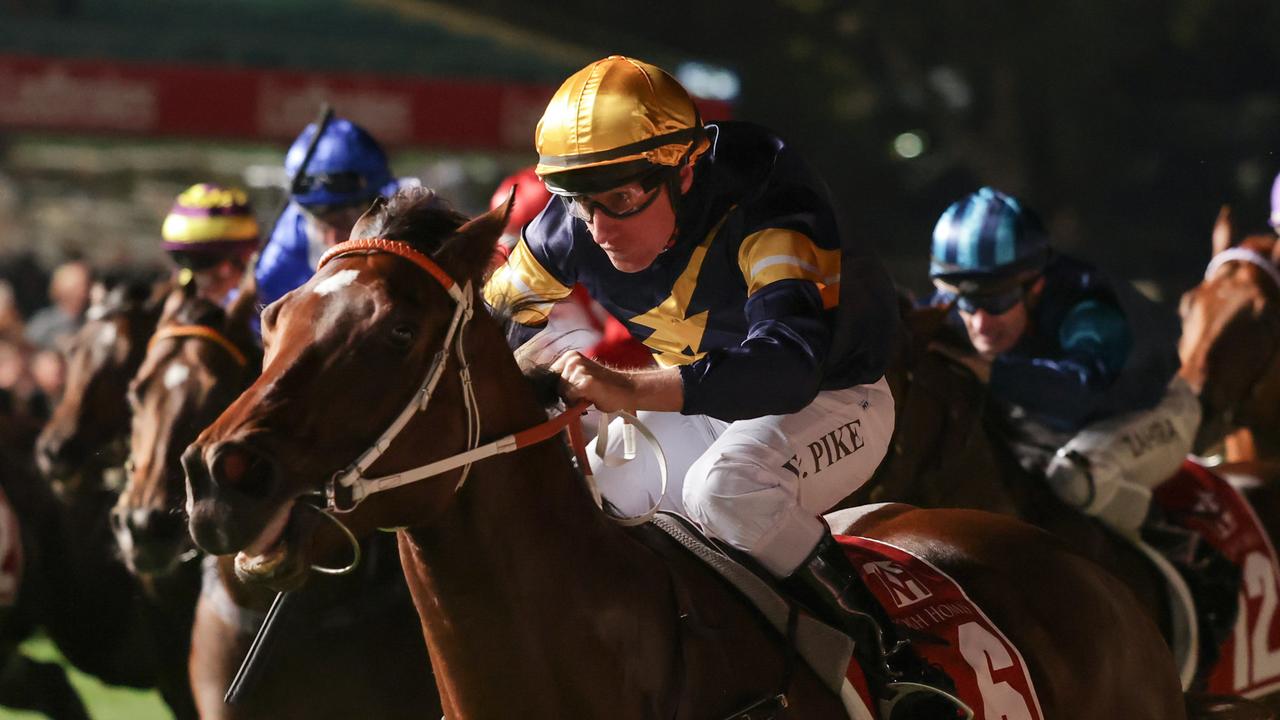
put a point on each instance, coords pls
(718, 248)
(210, 232)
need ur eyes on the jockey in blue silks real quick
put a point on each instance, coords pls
(345, 173)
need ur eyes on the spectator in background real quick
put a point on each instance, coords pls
(49, 373)
(69, 294)
(11, 324)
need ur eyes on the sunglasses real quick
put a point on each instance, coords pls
(340, 183)
(997, 303)
(618, 203)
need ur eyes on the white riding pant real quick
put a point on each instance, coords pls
(757, 484)
(1127, 456)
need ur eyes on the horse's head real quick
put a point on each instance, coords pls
(86, 432)
(1230, 347)
(199, 360)
(345, 354)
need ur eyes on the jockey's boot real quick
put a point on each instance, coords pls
(1214, 582)
(906, 685)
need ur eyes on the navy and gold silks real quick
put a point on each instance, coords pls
(757, 301)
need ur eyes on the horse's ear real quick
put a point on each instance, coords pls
(246, 302)
(1223, 230)
(471, 249)
(173, 300)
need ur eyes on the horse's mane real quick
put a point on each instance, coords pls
(414, 215)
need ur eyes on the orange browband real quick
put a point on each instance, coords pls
(200, 331)
(395, 247)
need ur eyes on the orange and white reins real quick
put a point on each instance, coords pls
(349, 486)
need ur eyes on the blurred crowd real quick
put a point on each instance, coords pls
(34, 331)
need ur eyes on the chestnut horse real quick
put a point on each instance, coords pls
(1230, 346)
(88, 430)
(200, 359)
(534, 603)
(132, 633)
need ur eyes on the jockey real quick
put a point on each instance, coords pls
(1076, 362)
(584, 324)
(1086, 382)
(345, 173)
(210, 232)
(717, 247)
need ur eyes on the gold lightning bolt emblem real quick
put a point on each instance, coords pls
(675, 337)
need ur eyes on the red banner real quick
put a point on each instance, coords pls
(107, 96)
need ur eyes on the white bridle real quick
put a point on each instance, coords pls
(1243, 254)
(349, 486)
(352, 480)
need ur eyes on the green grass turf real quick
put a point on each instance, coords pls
(103, 701)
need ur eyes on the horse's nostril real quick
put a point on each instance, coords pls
(249, 473)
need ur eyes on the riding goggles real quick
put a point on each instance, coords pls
(619, 203)
(997, 303)
(339, 183)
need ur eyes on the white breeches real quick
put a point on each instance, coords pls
(1127, 456)
(758, 484)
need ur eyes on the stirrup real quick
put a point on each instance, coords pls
(904, 690)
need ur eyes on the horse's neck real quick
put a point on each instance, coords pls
(523, 569)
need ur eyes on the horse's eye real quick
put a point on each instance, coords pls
(402, 334)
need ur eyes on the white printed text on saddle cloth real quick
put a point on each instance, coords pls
(829, 449)
(989, 672)
(1201, 502)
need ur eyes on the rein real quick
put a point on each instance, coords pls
(349, 486)
(203, 332)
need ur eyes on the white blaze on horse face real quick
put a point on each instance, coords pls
(176, 375)
(336, 282)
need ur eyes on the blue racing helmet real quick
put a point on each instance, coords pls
(986, 239)
(348, 166)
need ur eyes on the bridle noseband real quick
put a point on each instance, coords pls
(349, 486)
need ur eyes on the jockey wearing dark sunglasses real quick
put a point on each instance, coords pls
(1080, 368)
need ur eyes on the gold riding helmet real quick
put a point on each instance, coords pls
(612, 121)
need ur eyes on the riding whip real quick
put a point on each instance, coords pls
(260, 650)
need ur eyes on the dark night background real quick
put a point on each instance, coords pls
(1125, 123)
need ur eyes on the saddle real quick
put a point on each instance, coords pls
(922, 600)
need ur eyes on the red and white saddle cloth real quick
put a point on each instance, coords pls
(10, 553)
(990, 674)
(1199, 500)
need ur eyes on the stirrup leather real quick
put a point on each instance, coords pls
(903, 690)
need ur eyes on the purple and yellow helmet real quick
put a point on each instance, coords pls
(209, 222)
